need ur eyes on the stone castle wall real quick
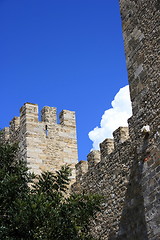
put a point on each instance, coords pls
(44, 145)
(126, 170)
(114, 173)
(119, 174)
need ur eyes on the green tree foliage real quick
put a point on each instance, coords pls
(38, 207)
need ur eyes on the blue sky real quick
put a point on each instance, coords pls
(62, 53)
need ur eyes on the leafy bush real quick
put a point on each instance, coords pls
(38, 207)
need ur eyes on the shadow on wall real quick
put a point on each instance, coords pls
(132, 224)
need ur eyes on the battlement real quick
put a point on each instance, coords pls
(4, 136)
(107, 147)
(93, 158)
(15, 123)
(29, 113)
(49, 114)
(81, 169)
(120, 135)
(67, 118)
(44, 144)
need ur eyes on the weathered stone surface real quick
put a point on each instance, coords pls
(44, 145)
(129, 170)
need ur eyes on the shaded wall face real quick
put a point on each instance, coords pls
(117, 176)
(141, 31)
(140, 21)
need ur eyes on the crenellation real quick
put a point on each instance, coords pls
(49, 114)
(106, 147)
(14, 129)
(93, 158)
(4, 136)
(67, 118)
(120, 135)
(45, 145)
(81, 169)
(15, 123)
(29, 113)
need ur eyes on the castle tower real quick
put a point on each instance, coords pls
(141, 31)
(44, 145)
(140, 22)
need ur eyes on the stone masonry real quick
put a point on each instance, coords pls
(44, 145)
(126, 170)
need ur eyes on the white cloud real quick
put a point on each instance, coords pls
(113, 118)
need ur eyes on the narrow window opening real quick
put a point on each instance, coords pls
(46, 130)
